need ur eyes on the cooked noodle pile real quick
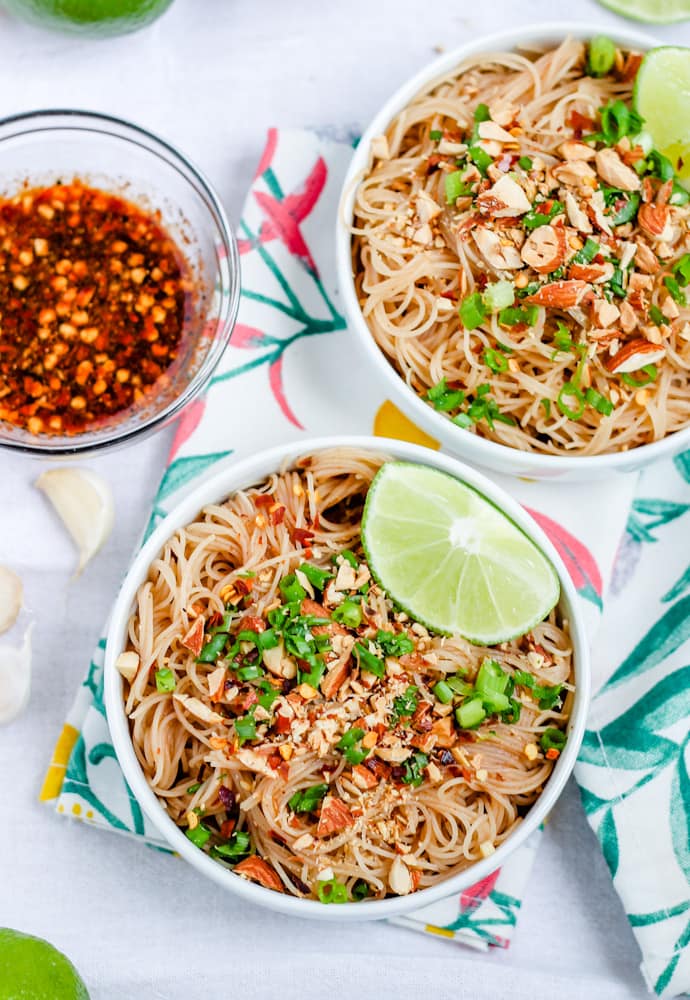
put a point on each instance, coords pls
(513, 243)
(246, 751)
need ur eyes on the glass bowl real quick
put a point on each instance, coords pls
(42, 147)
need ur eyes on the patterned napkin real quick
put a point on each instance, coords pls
(291, 372)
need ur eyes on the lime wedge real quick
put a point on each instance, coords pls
(451, 559)
(662, 97)
(653, 11)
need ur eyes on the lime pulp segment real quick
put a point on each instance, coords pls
(662, 97)
(451, 559)
(652, 11)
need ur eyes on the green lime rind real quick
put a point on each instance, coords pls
(32, 969)
(650, 11)
(89, 18)
(662, 96)
(451, 559)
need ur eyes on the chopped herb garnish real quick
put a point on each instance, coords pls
(268, 695)
(201, 834)
(245, 726)
(617, 120)
(681, 269)
(656, 316)
(405, 705)
(165, 680)
(518, 314)
(414, 768)
(443, 398)
(525, 162)
(471, 713)
(308, 799)
(628, 210)
(587, 253)
(546, 403)
(536, 218)
(660, 166)
(481, 159)
(194, 788)
(213, 648)
(546, 696)
(494, 360)
(360, 890)
(616, 283)
(292, 589)
(443, 692)
(498, 295)
(394, 645)
(348, 556)
(455, 186)
(436, 134)
(237, 847)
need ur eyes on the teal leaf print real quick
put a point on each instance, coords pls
(631, 740)
(680, 812)
(663, 638)
(645, 919)
(667, 975)
(185, 469)
(608, 837)
(682, 463)
(678, 588)
(657, 513)
(590, 802)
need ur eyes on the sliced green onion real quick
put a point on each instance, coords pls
(443, 692)
(491, 678)
(238, 846)
(455, 186)
(459, 685)
(245, 727)
(570, 391)
(368, 662)
(601, 56)
(499, 295)
(213, 649)
(443, 398)
(480, 158)
(360, 890)
(660, 166)
(348, 613)
(349, 557)
(676, 292)
(617, 120)
(534, 219)
(436, 134)
(553, 739)
(250, 672)
(355, 756)
(482, 113)
(331, 891)
(494, 360)
(628, 211)
(268, 695)
(525, 162)
(194, 788)
(405, 705)
(313, 676)
(649, 375)
(546, 403)
(307, 799)
(349, 738)
(587, 253)
(518, 314)
(200, 834)
(679, 196)
(471, 713)
(292, 589)
(656, 316)
(599, 402)
(165, 680)
(317, 577)
(681, 269)
(472, 311)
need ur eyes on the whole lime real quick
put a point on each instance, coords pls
(94, 18)
(31, 969)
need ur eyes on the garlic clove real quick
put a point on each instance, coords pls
(15, 678)
(84, 502)
(11, 598)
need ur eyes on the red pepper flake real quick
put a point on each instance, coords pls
(552, 753)
(580, 123)
(282, 724)
(277, 513)
(94, 297)
(302, 536)
(227, 828)
(263, 500)
(243, 585)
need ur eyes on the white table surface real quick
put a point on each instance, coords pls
(212, 76)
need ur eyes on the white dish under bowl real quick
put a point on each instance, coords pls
(471, 447)
(232, 477)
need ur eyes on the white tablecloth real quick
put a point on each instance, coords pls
(212, 76)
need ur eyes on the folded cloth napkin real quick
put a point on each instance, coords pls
(290, 373)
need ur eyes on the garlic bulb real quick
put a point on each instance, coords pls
(15, 678)
(84, 501)
(11, 597)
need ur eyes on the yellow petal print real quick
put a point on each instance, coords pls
(55, 774)
(390, 422)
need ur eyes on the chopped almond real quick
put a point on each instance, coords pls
(559, 294)
(334, 817)
(194, 639)
(635, 355)
(363, 777)
(545, 249)
(257, 870)
(127, 664)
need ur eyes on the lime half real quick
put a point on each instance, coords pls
(662, 97)
(653, 11)
(451, 559)
(31, 969)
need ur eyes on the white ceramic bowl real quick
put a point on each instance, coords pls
(235, 476)
(472, 448)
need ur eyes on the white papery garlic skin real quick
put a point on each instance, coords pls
(11, 598)
(15, 678)
(84, 502)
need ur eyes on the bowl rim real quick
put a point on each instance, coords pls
(235, 475)
(154, 145)
(485, 452)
